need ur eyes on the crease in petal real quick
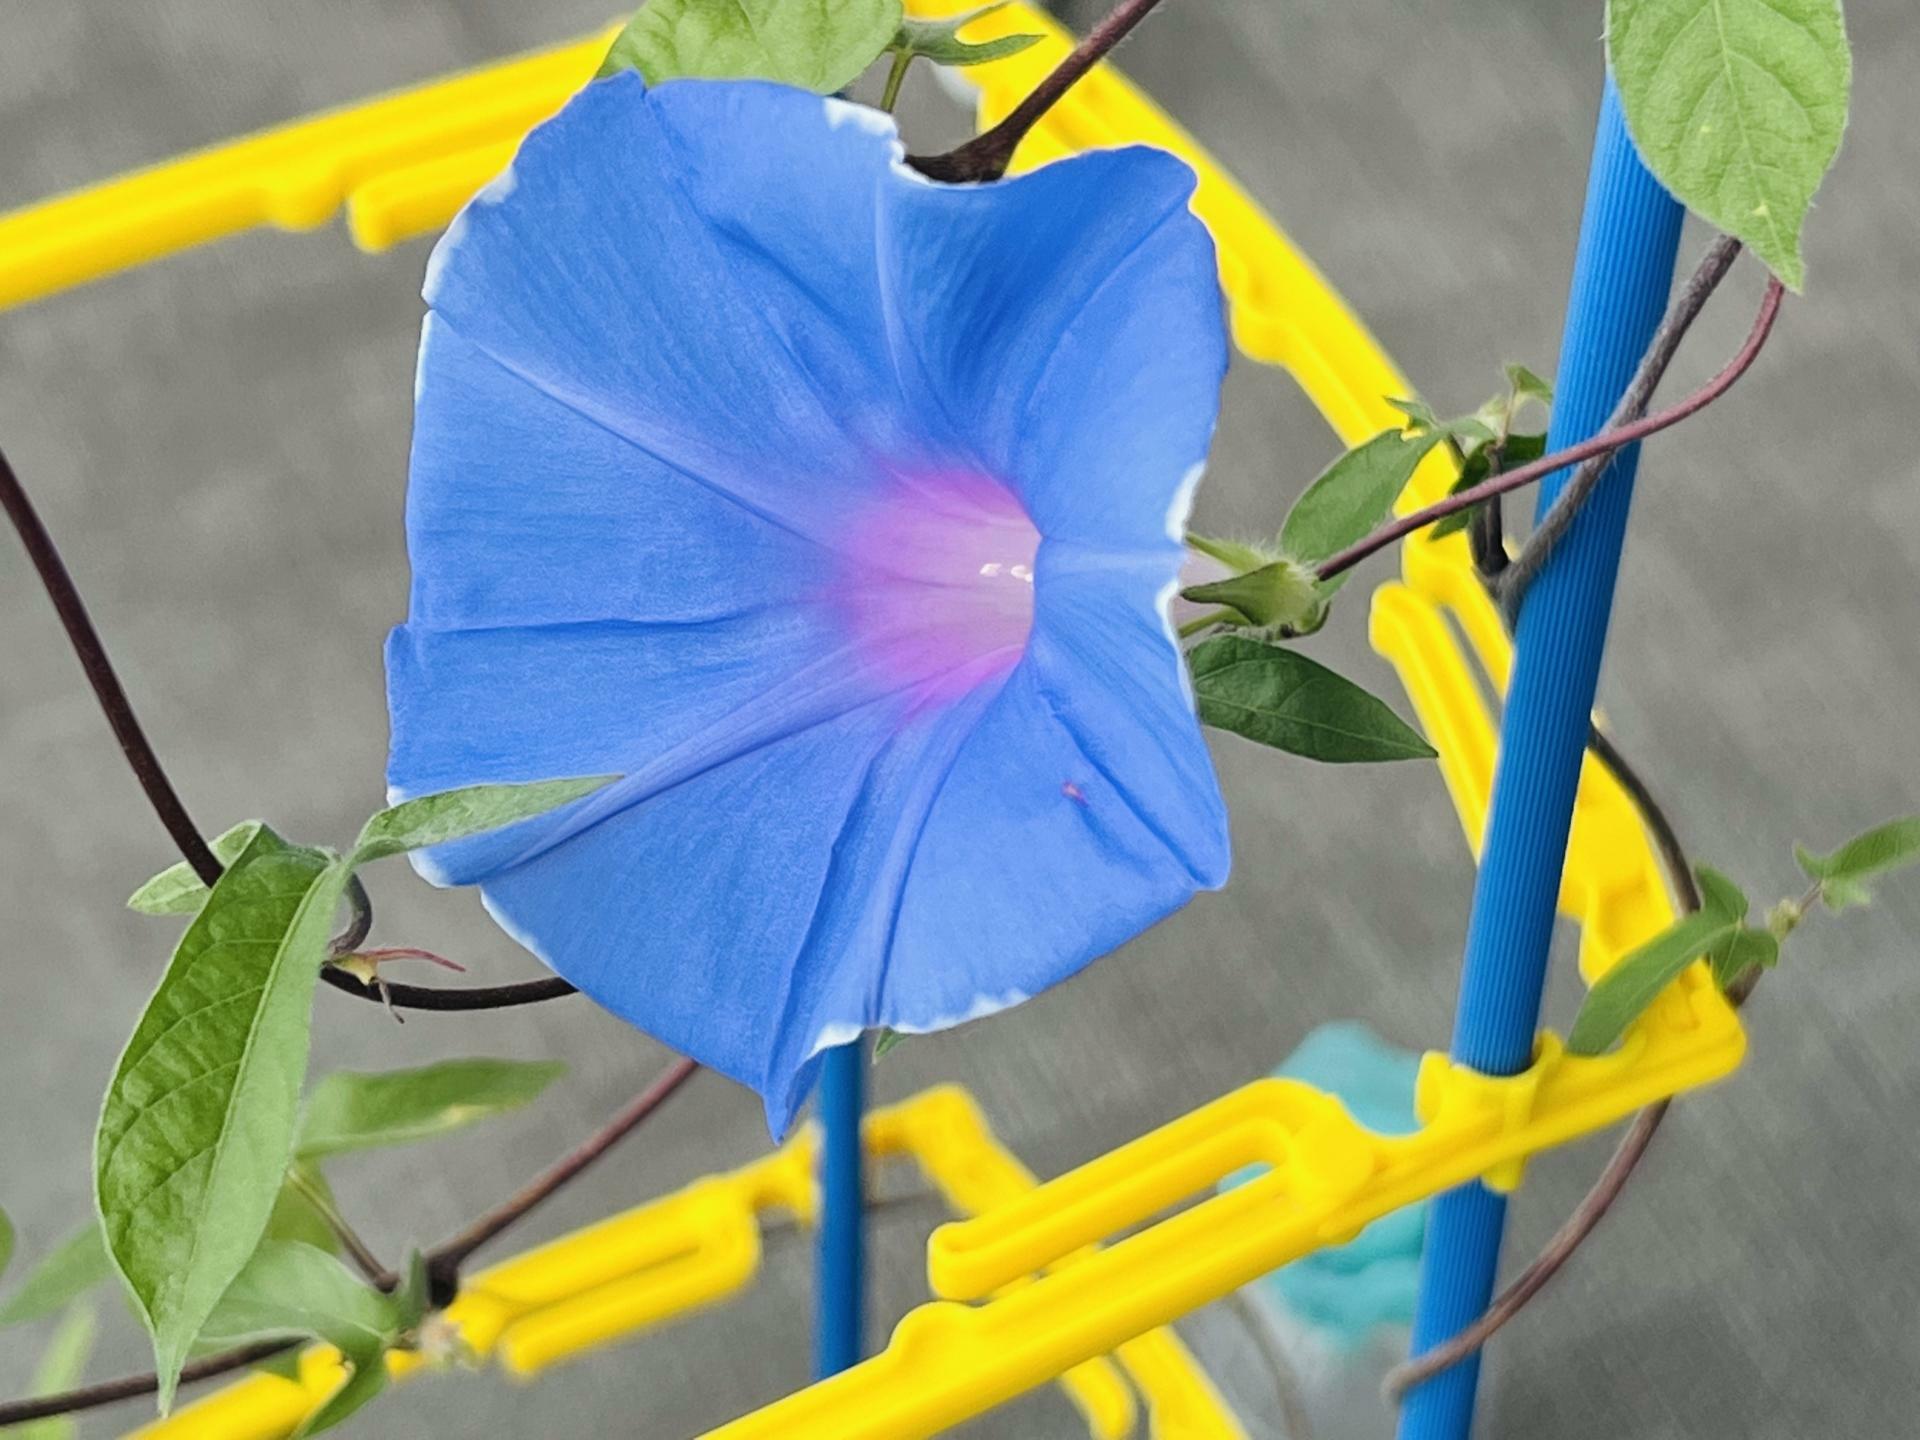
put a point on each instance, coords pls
(1029, 867)
(1117, 681)
(522, 511)
(628, 275)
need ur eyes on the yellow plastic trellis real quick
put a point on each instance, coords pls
(702, 1246)
(1051, 1304)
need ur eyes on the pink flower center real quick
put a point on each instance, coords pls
(937, 583)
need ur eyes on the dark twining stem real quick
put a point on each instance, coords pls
(131, 1387)
(1572, 1233)
(1664, 346)
(165, 800)
(1587, 1215)
(92, 655)
(1605, 443)
(443, 1264)
(450, 999)
(364, 1260)
(445, 1260)
(986, 156)
(1567, 1239)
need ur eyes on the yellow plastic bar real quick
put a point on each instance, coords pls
(701, 1246)
(403, 166)
(1328, 1177)
(296, 176)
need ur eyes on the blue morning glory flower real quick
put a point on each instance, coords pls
(838, 513)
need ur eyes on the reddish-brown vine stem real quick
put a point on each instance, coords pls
(1606, 442)
(443, 1263)
(165, 800)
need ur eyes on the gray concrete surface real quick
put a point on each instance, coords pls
(220, 442)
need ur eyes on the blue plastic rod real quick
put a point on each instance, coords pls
(841, 1273)
(1621, 277)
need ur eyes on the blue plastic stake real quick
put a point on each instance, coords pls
(1621, 278)
(841, 1273)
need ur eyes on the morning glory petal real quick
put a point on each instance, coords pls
(1069, 323)
(624, 270)
(829, 509)
(1032, 863)
(1114, 678)
(608, 539)
(751, 945)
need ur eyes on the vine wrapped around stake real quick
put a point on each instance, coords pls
(813, 526)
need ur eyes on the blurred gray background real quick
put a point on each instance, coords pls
(219, 442)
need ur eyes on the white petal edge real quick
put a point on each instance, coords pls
(864, 117)
(845, 1032)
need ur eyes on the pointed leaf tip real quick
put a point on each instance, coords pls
(1279, 697)
(1737, 106)
(473, 810)
(1618, 997)
(352, 1111)
(177, 890)
(1842, 875)
(1353, 495)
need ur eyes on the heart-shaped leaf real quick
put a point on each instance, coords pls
(1738, 107)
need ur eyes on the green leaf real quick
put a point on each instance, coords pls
(6, 1241)
(413, 1298)
(61, 1366)
(289, 1290)
(1719, 896)
(74, 1267)
(456, 814)
(198, 1125)
(1743, 950)
(819, 45)
(1522, 450)
(349, 1111)
(1281, 698)
(1738, 107)
(1736, 950)
(1515, 451)
(1524, 385)
(1883, 848)
(940, 42)
(1420, 415)
(1236, 555)
(296, 1217)
(1283, 593)
(1353, 496)
(883, 1042)
(1627, 989)
(176, 890)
